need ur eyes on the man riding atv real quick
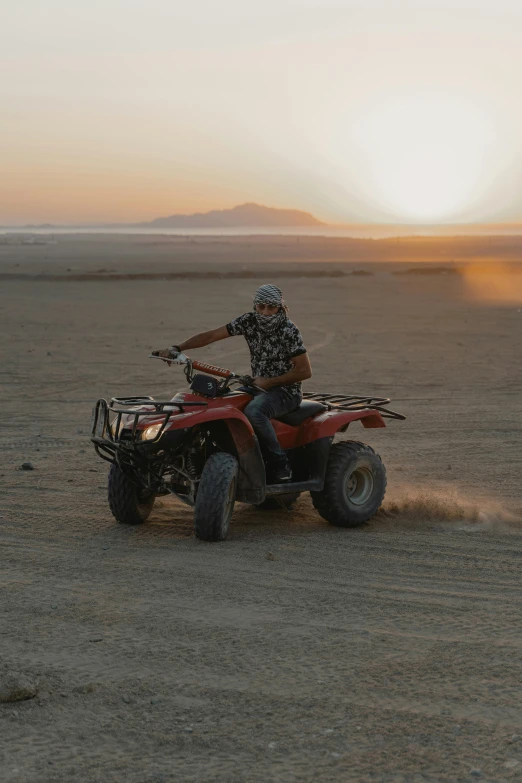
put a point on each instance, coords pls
(203, 446)
(279, 363)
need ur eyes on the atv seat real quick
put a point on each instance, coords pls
(304, 411)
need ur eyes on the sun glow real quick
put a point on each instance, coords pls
(421, 158)
(497, 282)
(358, 112)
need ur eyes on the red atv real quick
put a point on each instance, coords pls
(200, 447)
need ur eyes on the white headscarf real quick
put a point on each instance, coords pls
(270, 295)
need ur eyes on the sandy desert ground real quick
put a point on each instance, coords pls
(294, 652)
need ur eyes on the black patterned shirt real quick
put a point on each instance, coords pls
(270, 352)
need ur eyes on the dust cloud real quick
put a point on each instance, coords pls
(493, 282)
(415, 507)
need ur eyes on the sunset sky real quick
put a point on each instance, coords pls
(356, 110)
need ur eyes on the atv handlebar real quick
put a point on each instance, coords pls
(192, 364)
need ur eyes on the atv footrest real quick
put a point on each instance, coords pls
(293, 486)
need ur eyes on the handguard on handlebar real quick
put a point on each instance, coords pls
(179, 359)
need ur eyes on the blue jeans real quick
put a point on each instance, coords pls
(265, 406)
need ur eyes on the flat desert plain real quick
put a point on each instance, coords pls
(294, 652)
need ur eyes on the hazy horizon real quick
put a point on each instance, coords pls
(361, 230)
(353, 231)
(373, 113)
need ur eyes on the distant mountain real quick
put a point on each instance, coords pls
(245, 215)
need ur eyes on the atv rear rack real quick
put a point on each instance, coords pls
(354, 402)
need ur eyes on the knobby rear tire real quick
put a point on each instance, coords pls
(216, 496)
(354, 487)
(129, 504)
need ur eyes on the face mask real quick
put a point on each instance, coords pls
(268, 323)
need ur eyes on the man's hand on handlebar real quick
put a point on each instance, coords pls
(262, 383)
(167, 353)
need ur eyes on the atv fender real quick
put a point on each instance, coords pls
(329, 423)
(252, 476)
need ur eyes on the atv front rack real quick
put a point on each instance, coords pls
(105, 433)
(354, 402)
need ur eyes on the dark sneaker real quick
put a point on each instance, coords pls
(281, 473)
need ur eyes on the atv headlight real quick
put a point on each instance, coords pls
(149, 433)
(115, 429)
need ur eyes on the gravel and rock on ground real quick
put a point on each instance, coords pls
(294, 652)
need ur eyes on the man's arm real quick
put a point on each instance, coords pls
(204, 338)
(300, 371)
(197, 341)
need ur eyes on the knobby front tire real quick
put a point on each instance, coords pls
(129, 504)
(216, 497)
